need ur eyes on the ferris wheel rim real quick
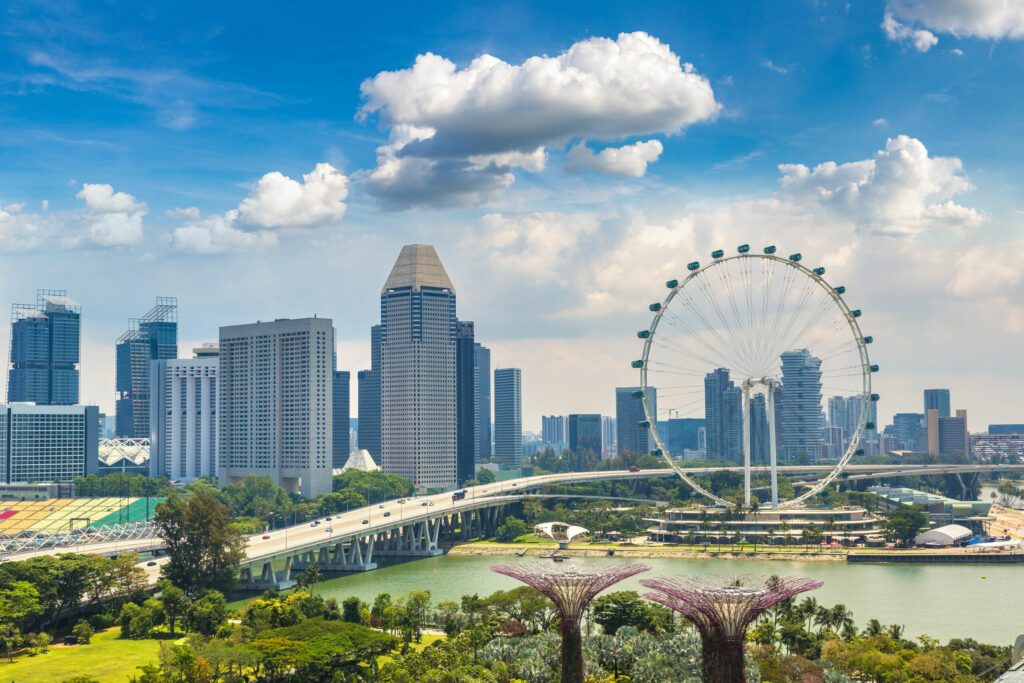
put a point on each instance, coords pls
(861, 341)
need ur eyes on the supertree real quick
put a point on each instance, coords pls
(571, 590)
(721, 609)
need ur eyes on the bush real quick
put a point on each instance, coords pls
(82, 632)
(102, 621)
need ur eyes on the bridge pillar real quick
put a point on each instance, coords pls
(354, 555)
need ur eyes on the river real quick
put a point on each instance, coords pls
(984, 602)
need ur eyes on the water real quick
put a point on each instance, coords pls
(984, 602)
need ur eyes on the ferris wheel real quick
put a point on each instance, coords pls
(739, 362)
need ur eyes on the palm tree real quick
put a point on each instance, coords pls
(874, 628)
(895, 632)
(784, 532)
(310, 576)
(703, 525)
(755, 507)
(808, 609)
(842, 618)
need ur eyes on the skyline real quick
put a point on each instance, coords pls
(555, 260)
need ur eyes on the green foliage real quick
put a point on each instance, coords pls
(204, 548)
(121, 484)
(318, 650)
(626, 608)
(904, 522)
(83, 632)
(207, 613)
(511, 529)
(175, 602)
(485, 476)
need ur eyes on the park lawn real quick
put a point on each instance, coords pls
(108, 659)
(426, 640)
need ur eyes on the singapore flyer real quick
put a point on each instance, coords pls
(744, 355)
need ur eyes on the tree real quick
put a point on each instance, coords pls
(82, 632)
(903, 523)
(511, 529)
(623, 608)
(350, 610)
(175, 602)
(485, 476)
(19, 602)
(203, 546)
(309, 577)
(207, 614)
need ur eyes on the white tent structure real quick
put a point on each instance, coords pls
(560, 532)
(943, 536)
(360, 460)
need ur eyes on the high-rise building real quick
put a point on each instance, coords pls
(369, 399)
(152, 337)
(1006, 429)
(466, 381)
(937, 399)
(681, 434)
(947, 435)
(48, 443)
(418, 384)
(759, 434)
(723, 418)
(45, 350)
(609, 437)
(552, 429)
(629, 413)
(837, 415)
(800, 417)
(275, 403)
(908, 430)
(340, 409)
(508, 417)
(482, 401)
(584, 432)
(183, 416)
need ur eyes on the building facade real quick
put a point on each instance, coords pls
(45, 350)
(723, 418)
(340, 410)
(152, 337)
(800, 417)
(369, 399)
(508, 417)
(275, 403)
(183, 416)
(48, 443)
(937, 399)
(465, 401)
(629, 412)
(418, 377)
(552, 429)
(482, 404)
(908, 429)
(584, 432)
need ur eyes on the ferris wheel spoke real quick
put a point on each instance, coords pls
(813, 318)
(741, 339)
(670, 343)
(709, 293)
(686, 328)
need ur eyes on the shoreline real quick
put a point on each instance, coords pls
(639, 552)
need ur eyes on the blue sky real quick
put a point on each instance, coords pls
(189, 112)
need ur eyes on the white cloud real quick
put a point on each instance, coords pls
(217, 235)
(902, 190)
(896, 31)
(112, 219)
(985, 19)
(492, 116)
(629, 160)
(278, 201)
(990, 269)
(772, 66)
(190, 213)
(533, 245)
(22, 232)
(880, 122)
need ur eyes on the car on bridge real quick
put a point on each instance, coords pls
(266, 537)
(387, 514)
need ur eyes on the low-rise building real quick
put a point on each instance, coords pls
(941, 510)
(846, 525)
(48, 443)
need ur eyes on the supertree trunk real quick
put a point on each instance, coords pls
(723, 662)
(572, 652)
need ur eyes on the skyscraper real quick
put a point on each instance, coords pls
(418, 394)
(45, 350)
(908, 429)
(629, 412)
(948, 435)
(340, 410)
(552, 429)
(723, 417)
(482, 404)
(48, 443)
(183, 416)
(800, 417)
(154, 336)
(609, 437)
(275, 403)
(759, 435)
(937, 399)
(681, 434)
(465, 401)
(584, 432)
(369, 399)
(508, 417)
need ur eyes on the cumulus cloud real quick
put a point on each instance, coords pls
(276, 202)
(22, 232)
(190, 213)
(902, 190)
(629, 160)
(111, 219)
(988, 269)
(279, 201)
(533, 244)
(492, 116)
(985, 19)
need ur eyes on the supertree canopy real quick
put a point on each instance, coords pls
(571, 589)
(721, 609)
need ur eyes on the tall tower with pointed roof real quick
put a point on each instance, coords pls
(418, 370)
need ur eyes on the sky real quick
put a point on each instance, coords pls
(263, 160)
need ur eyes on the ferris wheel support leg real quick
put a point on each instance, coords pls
(746, 446)
(772, 454)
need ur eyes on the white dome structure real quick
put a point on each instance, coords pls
(560, 532)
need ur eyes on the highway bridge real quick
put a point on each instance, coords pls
(417, 526)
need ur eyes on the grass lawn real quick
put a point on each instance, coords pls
(107, 658)
(427, 639)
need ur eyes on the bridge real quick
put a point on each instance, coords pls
(418, 526)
